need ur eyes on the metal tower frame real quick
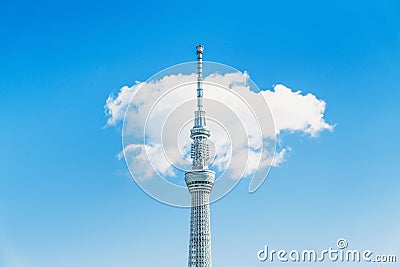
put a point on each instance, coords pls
(200, 181)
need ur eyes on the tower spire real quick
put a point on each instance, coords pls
(199, 118)
(199, 133)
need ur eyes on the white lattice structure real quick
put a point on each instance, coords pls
(200, 182)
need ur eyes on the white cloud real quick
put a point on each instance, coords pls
(139, 154)
(237, 134)
(294, 111)
(115, 107)
(280, 157)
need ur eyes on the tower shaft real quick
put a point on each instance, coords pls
(200, 184)
(200, 181)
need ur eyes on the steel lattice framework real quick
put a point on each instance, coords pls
(200, 181)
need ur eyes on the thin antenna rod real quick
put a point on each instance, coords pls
(200, 121)
(200, 49)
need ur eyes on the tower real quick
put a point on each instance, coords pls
(200, 181)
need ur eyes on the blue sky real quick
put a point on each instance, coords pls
(64, 197)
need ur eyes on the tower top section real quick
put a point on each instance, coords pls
(200, 121)
(200, 49)
(199, 133)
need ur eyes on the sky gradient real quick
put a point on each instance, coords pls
(65, 198)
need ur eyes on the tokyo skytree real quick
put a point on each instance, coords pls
(200, 181)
